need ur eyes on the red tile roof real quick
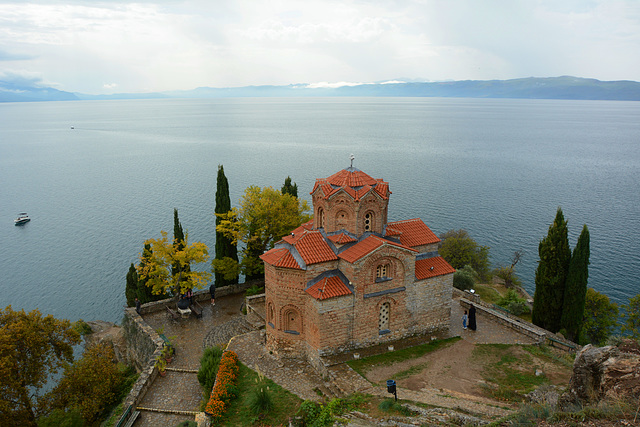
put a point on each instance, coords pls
(392, 232)
(329, 287)
(280, 257)
(351, 178)
(311, 246)
(413, 232)
(342, 238)
(306, 226)
(354, 182)
(367, 246)
(432, 267)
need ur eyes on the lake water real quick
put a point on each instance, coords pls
(498, 168)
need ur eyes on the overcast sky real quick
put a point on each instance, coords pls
(120, 46)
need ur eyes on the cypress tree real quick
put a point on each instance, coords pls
(178, 242)
(576, 287)
(289, 188)
(131, 291)
(551, 275)
(225, 248)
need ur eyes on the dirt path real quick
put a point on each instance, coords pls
(448, 368)
(454, 368)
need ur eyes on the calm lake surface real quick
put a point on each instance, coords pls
(498, 168)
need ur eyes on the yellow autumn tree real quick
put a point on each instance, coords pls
(156, 265)
(264, 216)
(32, 348)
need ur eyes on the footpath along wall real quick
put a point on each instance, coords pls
(503, 317)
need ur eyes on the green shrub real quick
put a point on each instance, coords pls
(465, 278)
(187, 424)
(512, 302)
(308, 411)
(209, 368)
(255, 290)
(82, 327)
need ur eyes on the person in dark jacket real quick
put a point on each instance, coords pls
(472, 318)
(212, 291)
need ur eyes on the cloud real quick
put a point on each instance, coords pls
(21, 79)
(331, 85)
(7, 56)
(163, 45)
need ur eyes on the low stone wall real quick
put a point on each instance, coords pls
(200, 295)
(255, 300)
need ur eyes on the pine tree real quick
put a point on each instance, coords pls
(551, 275)
(131, 291)
(576, 287)
(288, 188)
(225, 248)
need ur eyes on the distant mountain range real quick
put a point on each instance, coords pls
(565, 87)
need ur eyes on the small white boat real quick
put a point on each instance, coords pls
(23, 218)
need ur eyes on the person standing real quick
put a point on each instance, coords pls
(464, 320)
(472, 318)
(137, 306)
(212, 291)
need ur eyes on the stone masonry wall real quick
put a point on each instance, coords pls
(142, 340)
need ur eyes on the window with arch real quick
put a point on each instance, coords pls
(292, 321)
(271, 315)
(320, 223)
(382, 271)
(383, 318)
(368, 221)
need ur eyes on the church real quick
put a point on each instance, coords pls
(349, 278)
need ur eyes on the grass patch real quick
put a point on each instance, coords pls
(324, 415)
(488, 293)
(361, 366)
(614, 411)
(507, 371)
(610, 410)
(545, 352)
(411, 371)
(285, 403)
(390, 405)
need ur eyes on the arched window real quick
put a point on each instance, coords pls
(383, 319)
(320, 222)
(270, 315)
(382, 271)
(292, 321)
(368, 221)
